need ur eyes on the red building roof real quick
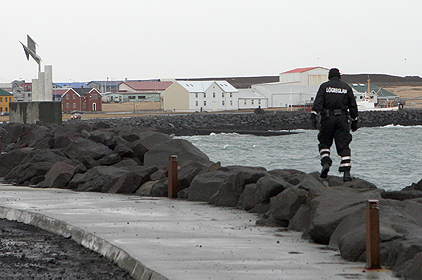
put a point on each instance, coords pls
(148, 85)
(300, 70)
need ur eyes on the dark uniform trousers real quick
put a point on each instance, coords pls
(335, 128)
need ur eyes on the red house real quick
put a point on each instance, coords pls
(81, 99)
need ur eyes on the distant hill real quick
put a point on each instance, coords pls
(381, 80)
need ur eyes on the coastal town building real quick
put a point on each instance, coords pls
(200, 96)
(280, 95)
(105, 86)
(138, 91)
(251, 99)
(81, 99)
(305, 76)
(5, 98)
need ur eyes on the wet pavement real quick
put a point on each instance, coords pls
(160, 238)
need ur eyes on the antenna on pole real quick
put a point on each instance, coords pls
(30, 50)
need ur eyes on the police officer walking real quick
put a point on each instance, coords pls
(334, 102)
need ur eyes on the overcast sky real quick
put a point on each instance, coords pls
(145, 39)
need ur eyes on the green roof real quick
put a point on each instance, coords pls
(373, 89)
(3, 93)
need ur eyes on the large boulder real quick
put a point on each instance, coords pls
(58, 176)
(247, 199)
(160, 153)
(28, 173)
(104, 137)
(150, 138)
(205, 185)
(330, 209)
(84, 147)
(131, 181)
(187, 172)
(284, 206)
(269, 186)
(35, 135)
(291, 176)
(138, 149)
(96, 178)
(72, 129)
(229, 191)
(10, 160)
(12, 133)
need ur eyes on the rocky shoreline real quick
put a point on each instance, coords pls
(273, 121)
(131, 156)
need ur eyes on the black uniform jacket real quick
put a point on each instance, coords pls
(335, 94)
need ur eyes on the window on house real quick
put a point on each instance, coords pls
(84, 105)
(1, 109)
(196, 104)
(259, 101)
(67, 96)
(244, 102)
(222, 94)
(252, 101)
(5, 99)
(205, 103)
(213, 94)
(231, 95)
(196, 95)
(222, 102)
(74, 105)
(74, 96)
(67, 106)
(1, 99)
(205, 95)
(6, 109)
(231, 102)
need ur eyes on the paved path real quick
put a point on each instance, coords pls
(160, 238)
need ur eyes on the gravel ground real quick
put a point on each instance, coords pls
(27, 252)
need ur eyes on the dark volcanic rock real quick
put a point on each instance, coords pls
(96, 178)
(12, 159)
(24, 173)
(160, 153)
(58, 176)
(84, 147)
(269, 186)
(205, 185)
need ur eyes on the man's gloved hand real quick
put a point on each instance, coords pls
(314, 120)
(354, 125)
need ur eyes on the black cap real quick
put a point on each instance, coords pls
(334, 72)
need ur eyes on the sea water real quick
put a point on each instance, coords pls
(389, 156)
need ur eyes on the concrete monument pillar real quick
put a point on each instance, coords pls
(48, 93)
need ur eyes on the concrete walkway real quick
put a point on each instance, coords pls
(160, 238)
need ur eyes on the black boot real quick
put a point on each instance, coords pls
(325, 170)
(346, 176)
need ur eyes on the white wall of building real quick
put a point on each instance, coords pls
(203, 96)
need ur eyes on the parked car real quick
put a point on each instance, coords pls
(77, 112)
(76, 117)
(4, 113)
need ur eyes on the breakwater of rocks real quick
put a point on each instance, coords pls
(130, 156)
(260, 124)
